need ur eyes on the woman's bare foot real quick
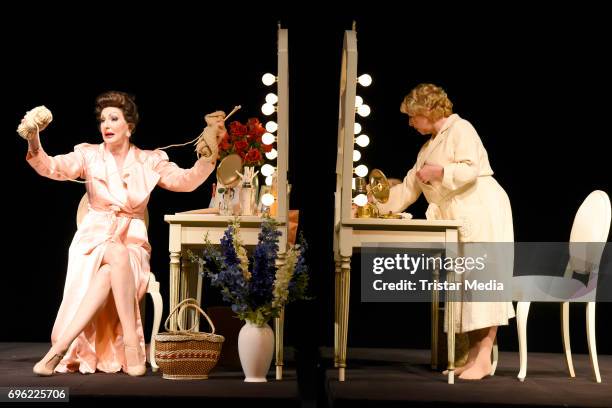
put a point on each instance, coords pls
(461, 369)
(471, 359)
(481, 344)
(480, 369)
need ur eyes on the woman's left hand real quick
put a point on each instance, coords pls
(216, 121)
(430, 172)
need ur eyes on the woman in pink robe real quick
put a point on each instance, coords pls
(98, 325)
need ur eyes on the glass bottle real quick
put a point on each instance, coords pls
(247, 198)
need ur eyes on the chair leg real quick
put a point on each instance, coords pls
(494, 356)
(158, 310)
(565, 332)
(590, 318)
(522, 314)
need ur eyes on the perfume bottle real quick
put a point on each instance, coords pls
(248, 192)
(247, 198)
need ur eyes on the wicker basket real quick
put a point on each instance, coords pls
(187, 354)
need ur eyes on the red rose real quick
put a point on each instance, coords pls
(253, 156)
(225, 144)
(253, 122)
(237, 129)
(241, 145)
(267, 148)
(255, 127)
(254, 138)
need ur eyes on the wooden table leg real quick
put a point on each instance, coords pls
(175, 272)
(185, 286)
(452, 250)
(337, 313)
(278, 333)
(199, 290)
(279, 327)
(345, 291)
(450, 310)
(435, 315)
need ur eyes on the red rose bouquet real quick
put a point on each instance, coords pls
(245, 140)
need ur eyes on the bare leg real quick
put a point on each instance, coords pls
(92, 301)
(124, 294)
(124, 290)
(483, 344)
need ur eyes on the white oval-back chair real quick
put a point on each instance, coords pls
(591, 225)
(152, 289)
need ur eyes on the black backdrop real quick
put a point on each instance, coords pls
(534, 84)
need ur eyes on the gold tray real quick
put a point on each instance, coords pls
(390, 216)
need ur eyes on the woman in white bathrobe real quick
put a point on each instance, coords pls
(452, 170)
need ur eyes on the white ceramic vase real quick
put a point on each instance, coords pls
(255, 348)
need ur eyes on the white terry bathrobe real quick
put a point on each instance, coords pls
(468, 193)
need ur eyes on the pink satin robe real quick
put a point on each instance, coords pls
(117, 202)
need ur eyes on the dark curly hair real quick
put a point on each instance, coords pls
(121, 100)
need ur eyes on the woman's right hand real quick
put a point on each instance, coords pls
(33, 141)
(34, 144)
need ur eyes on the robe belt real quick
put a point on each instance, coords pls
(116, 211)
(115, 230)
(433, 210)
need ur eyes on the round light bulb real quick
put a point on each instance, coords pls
(268, 199)
(364, 110)
(272, 154)
(365, 80)
(357, 129)
(358, 101)
(360, 199)
(271, 98)
(268, 138)
(269, 181)
(268, 79)
(362, 140)
(356, 155)
(360, 170)
(271, 126)
(267, 170)
(267, 109)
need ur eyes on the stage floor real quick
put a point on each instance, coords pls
(395, 377)
(223, 385)
(375, 378)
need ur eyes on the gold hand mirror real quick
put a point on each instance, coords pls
(227, 172)
(381, 189)
(379, 186)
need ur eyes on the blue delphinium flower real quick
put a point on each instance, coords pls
(229, 276)
(264, 265)
(260, 294)
(299, 281)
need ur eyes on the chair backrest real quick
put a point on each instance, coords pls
(84, 208)
(591, 225)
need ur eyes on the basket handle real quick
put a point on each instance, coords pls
(186, 304)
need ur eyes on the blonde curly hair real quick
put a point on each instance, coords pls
(428, 100)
